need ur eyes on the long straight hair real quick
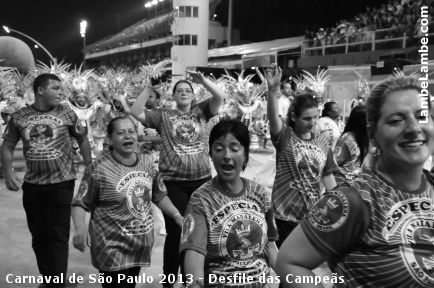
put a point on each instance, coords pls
(356, 124)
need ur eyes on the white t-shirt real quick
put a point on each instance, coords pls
(327, 127)
(284, 104)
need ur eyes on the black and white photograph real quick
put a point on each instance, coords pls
(216, 143)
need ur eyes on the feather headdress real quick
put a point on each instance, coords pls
(15, 89)
(60, 69)
(116, 85)
(82, 82)
(243, 91)
(318, 82)
(400, 73)
(363, 89)
(153, 71)
(300, 84)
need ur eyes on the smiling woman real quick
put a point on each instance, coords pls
(117, 189)
(304, 157)
(379, 231)
(184, 161)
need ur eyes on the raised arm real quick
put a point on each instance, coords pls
(216, 92)
(273, 74)
(138, 109)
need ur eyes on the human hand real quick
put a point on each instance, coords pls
(80, 240)
(273, 75)
(196, 77)
(148, 82)
(179, 219)
(13, 183)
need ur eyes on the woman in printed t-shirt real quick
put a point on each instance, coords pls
(352, 145)
(303, 158)
(330, 124)
(380, 231)
(117, 190)
(229, 230)
(184, 161)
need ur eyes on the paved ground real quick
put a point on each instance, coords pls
(16, 254)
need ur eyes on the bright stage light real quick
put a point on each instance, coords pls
(83, 26)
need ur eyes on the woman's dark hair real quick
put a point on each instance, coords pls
(358, 126)
(327, 108)
(237, 128)
(300, 103)
(111, 124)
(179, 82)
(157, 93)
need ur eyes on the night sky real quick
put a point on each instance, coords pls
(55, 23)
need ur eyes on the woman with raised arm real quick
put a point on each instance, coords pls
(229, 229)
(184, 160)
(379, 232)
(304, 159)
(117, 189)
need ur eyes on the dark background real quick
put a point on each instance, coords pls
(56, 23)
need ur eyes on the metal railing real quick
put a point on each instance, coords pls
(366, 41)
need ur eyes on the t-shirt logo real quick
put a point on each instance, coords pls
(417, 233)
(428, 262)
(330, 212)
(82, 191)
(242, 235)
(309, 167)
(411, 222)
(244, 245)
(309, 159)
(185, 131)
(184, 135)
(41, 134)
(187, 228)
(138, 191)
(138, 198)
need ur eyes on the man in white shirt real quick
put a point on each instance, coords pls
(283, 99)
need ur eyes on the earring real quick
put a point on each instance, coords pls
(376, 152)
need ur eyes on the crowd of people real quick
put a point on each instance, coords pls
(396, 18)
(372, 223)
